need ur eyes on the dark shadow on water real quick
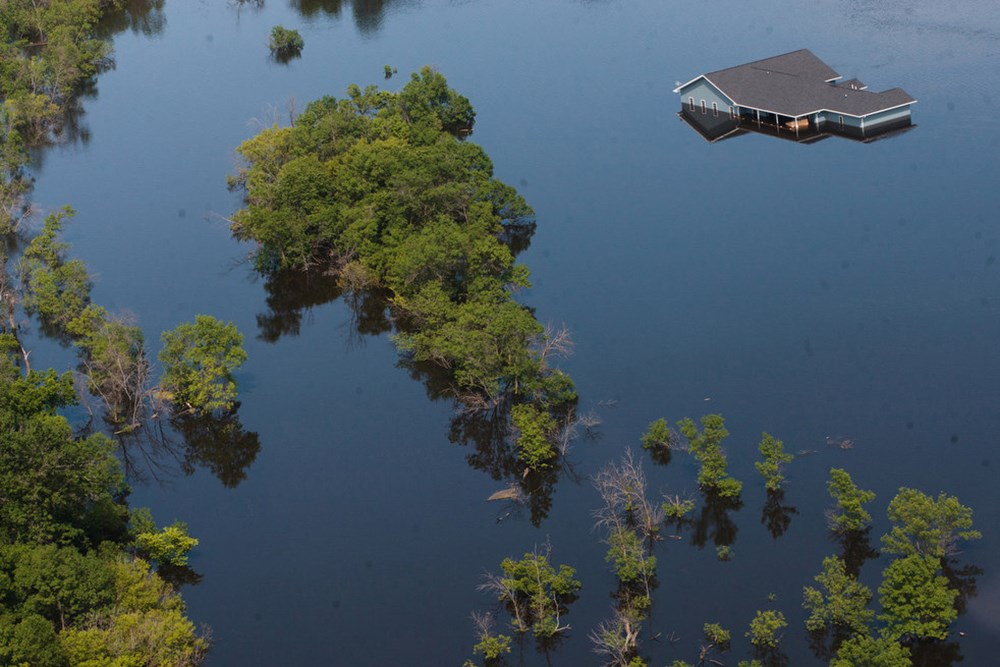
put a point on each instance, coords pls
(775, 515)
(936, 654)
(825, 643)
(218, 443)
(291, 295)
(714, 522)
(286, 56)
(368, 14)
(855, 549)
(962, 578)
(142, 17)
(179, 575)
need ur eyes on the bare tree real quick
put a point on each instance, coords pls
(623, 489)
(617, 639)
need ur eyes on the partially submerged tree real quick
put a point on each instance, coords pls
(866, 651)
(925, 526)
(491, 646)
(917, 602)
(535, 593)
(285, 42)
(622, 487)
(766, 629)
(706, 446)
(842, 602)
(849, 513)
(774, 458)
(198, 362)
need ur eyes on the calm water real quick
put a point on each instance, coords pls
(835, 289)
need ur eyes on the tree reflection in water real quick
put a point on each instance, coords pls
(187, 442)
(777, 516)
(486, 429)
(368, 14)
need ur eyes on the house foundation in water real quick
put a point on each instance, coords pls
(793, 96)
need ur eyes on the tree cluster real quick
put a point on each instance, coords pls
(74, 586)
(382, 189)
(49, 50)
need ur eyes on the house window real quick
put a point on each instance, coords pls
(704, 109)
(691, 103)
(715, 109)
(841, 122)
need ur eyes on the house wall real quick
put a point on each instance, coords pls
(832, 120)
(887, 116)
(703, 90)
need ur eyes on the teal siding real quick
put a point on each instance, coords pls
(887, 116)
(703, 90)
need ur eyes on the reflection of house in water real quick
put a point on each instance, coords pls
(794, 96)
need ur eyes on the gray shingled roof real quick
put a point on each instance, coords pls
(798, 83)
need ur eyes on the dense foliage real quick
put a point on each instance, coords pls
(72, 589)
(49, 51)
(198, 362)
(926, 526)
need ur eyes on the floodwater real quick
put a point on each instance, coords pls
(835, 291)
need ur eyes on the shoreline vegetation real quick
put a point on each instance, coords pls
(86, 579)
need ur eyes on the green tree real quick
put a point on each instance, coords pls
(657, 436)
(766, 629)
(774, 458)
(198, 361)
(170, 545)
(866, 651)
(924, 526)
(706, 446)
(284, 41)
(492, 646)
(916, 599)
(717, 635)
(843, 602)
(849, 513)
(627, 552)
(536, 593)
(535, 429)
(57, 288)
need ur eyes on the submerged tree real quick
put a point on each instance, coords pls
(774, 458)
(535, 593)
(706, 446)
(198, 362)
(849, 513)
(867, 651)
(842, 602)
(382, 190)
(917, 602)
(927, 527)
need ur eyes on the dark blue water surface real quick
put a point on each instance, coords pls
(837, 289)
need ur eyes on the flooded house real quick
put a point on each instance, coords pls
(795, 96)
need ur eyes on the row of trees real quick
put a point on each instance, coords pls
(918, 596)
(83, 577)
(78, 568)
